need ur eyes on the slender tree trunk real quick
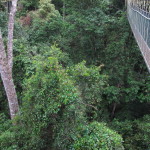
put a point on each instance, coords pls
(9, 86)
(11, 22)
(6, 64)
(113, 111)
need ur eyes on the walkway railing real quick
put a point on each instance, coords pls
(139, 19)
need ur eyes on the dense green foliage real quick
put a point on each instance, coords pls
(81, 81)
(97, 136)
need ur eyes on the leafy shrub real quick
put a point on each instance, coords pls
(136, 133)
(92, 85)
(97, 136)
(48, 31)
(47, 93)
(30, 4)
(47, 9)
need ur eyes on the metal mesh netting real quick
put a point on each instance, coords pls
(139, 19)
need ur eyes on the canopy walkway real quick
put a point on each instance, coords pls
(139, 19)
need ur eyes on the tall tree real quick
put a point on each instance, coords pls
(6, 63)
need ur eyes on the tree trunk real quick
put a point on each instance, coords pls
(113, 111)
(9, 86)
(6, 64)
(11, 33)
